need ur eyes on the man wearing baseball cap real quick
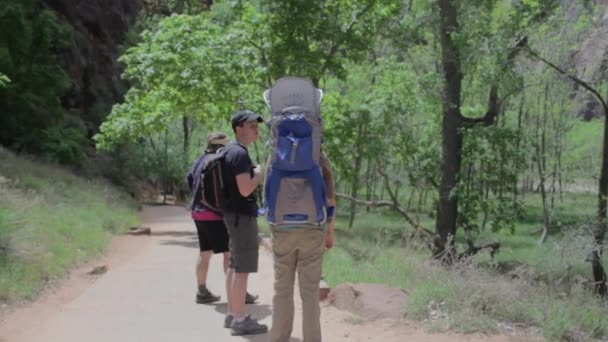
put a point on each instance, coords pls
(240, 216)
(212, 233)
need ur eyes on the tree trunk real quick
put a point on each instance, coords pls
(559, 157)
(354, 189)
(186, 137)
(519, 135)
(599, 274)
(486, 210)
(541, 166)
(369, 181)
(179, 6)
(447, 211)
(556, 181)
(207, 4)
(356, 167)
(421, 199)
(411, 198)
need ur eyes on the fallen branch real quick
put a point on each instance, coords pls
(385, 203)
(472, 250)
(426, 235)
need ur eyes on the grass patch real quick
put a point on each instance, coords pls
(584, 150)
(50, 221)
(544, 287)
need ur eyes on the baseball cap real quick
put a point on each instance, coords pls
(244, 116)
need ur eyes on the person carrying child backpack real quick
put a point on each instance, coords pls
(212, 233)
(299, 204)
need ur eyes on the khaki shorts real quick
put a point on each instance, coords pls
(244, 242)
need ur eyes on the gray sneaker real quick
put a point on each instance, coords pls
(228, 321)
(249, 326)
(205, 296)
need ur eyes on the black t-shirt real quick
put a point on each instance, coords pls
(237, 161)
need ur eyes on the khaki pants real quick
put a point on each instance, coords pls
(301, 250)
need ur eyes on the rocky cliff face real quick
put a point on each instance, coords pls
(590, 63)
(99, 27)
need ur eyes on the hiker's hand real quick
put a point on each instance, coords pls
(329, 236)
(257, 173)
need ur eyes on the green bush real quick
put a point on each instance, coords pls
(64, 144)
(31, 102)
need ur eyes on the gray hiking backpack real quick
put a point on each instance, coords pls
(294, 191)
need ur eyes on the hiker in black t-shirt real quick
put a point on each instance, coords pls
(240, 215)
(211, 229)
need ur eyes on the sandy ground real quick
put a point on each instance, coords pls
(147, 294)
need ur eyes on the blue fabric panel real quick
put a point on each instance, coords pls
(294, 145)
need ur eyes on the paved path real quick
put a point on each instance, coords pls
(150, 298)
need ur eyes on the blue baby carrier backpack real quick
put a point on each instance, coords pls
(294, 192)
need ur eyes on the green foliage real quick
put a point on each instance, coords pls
(491, 162)
(582, 157)
(4, 80)
(391, 98)
(311, 38)
(64, 144)
(159, 159)
(206, 65)
(31, 101)
(168, 7)
(187, 66)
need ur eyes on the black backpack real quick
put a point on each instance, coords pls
(214, 192)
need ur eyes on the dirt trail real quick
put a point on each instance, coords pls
(147, 294)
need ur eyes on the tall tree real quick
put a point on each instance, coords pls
(451, 138)
(503, 34)
(315, 38)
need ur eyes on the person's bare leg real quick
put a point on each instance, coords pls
(202, 267)
(226, 262)
(238, 293)
(229, 278)
(204, 295)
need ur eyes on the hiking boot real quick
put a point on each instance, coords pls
(228, 321)
(204, 296)
(249, 326)
(250, 299)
